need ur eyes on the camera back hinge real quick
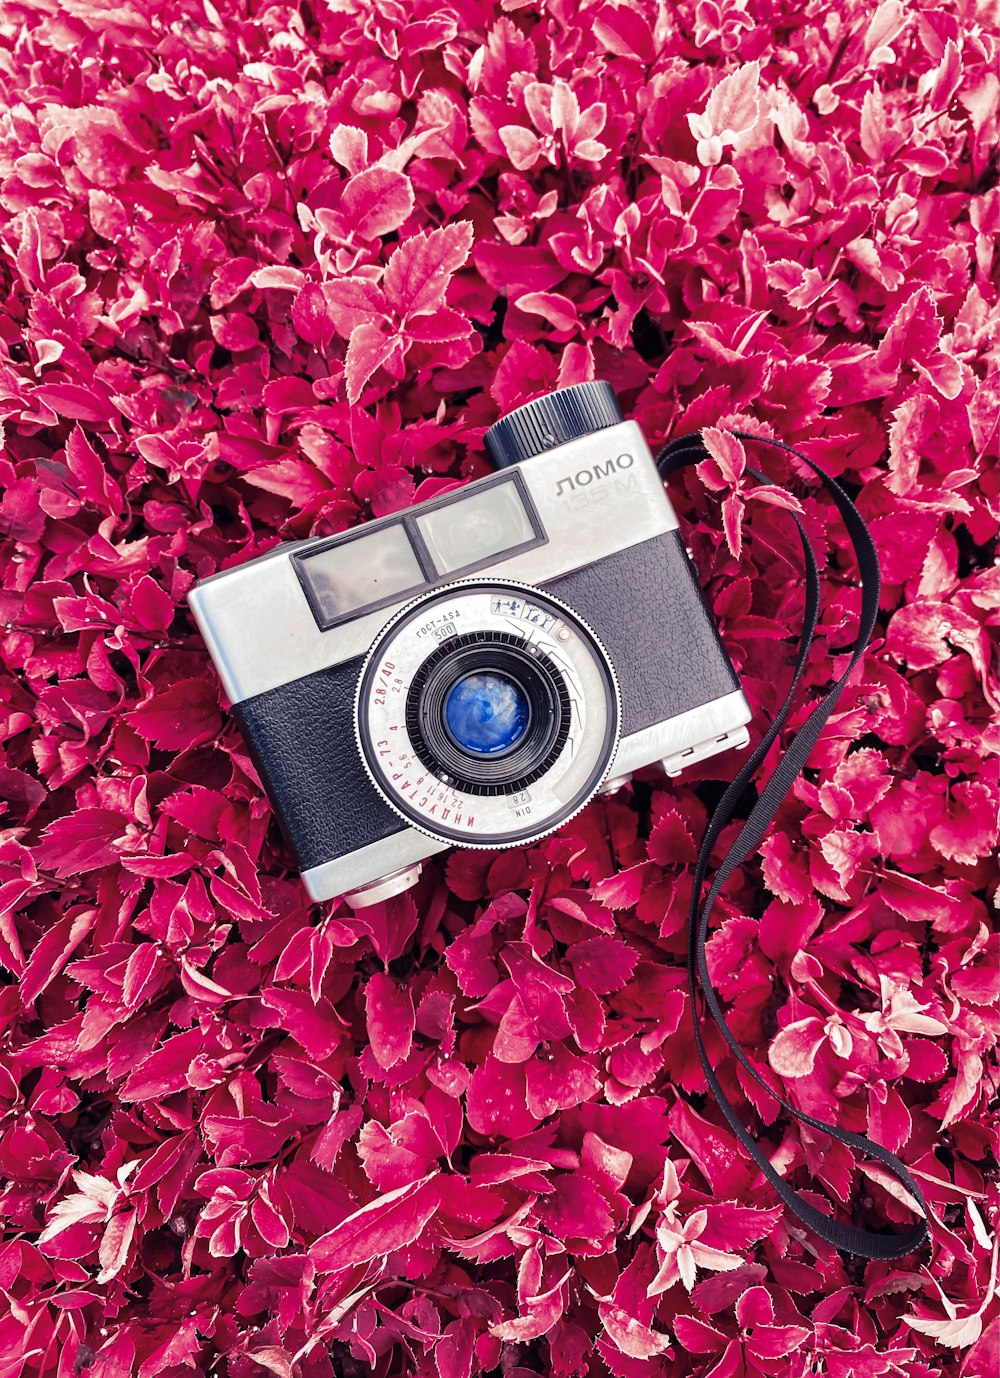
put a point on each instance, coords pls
(729, 741)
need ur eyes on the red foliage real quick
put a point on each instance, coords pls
(271, 269)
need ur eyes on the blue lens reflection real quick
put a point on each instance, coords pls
(486, 713)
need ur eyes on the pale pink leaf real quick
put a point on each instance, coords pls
(390, 1018)
(391, 1222)
(368, 349)
(793, 1049)
(377, 201)
(421, 268)
(733, 106)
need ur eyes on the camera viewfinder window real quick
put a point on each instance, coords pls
(370, 569)
(473, 529)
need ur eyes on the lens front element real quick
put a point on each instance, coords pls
(487, 714)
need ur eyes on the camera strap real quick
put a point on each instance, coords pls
(678, 454)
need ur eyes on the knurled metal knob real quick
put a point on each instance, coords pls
(552, 420)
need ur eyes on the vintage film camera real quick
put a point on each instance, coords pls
(472, 671)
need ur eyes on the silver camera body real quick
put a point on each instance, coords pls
(471, 671)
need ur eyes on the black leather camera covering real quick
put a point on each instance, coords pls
(301, 737)
(645, 605)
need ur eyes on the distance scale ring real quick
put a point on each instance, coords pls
(516, 632)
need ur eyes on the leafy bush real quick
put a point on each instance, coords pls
(270, 270)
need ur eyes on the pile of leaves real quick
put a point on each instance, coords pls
(271, 269)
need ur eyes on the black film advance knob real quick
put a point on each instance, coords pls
(552, 420)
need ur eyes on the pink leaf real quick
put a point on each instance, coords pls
(728, 459)
(421, 268)
(970, 825)
(376, 201)
(576, 1209)
(115, 1244)
(180, 715)
(959, 1333)
(793, 1049)
(368, 349)
(392, 1222)
(602, 964)
(522, 145)
(629, 1335)
(350, 301)
(732, 523)
(733, 107)
(622, 891)
(497, 1102)
(625, 31)
(540, 1315)
(886, 24)
(558, 310)
(349, 145)
(151, 606)
(390, 1018)
(82, 841)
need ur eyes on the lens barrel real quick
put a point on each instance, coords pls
(529, 671)
(487, 713)
(555, 419)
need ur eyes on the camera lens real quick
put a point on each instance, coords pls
(486, 713)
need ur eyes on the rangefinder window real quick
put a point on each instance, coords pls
(462, 534)
(368, 571)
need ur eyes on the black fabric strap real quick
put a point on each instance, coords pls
(678, 454)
